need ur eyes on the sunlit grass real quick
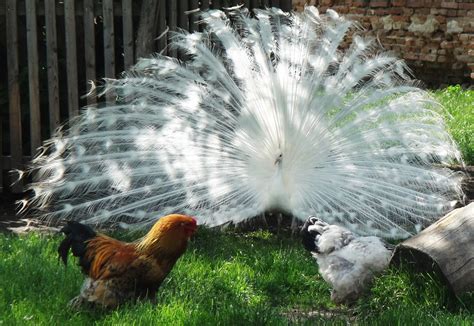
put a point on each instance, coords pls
(224, 278)
(459, 115)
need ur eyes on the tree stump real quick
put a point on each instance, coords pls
(446, 246)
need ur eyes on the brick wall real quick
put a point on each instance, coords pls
(435, 37)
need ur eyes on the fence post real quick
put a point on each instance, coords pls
(71, 58)
(147, 28)
(14, 89)
(33, 79)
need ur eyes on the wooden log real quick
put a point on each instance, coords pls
(448, 245)
(127, 20)
(71, 58)
(89, 46)
(14, 88)
(52, 62)
(33, 78)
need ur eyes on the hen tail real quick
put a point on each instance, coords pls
(77, 236)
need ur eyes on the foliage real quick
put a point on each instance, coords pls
(224, 278)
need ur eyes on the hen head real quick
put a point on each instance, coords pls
(321, 238)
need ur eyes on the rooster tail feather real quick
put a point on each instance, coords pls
(77, 235)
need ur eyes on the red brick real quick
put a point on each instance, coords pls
(398, 3)
(377, 4)
(358, 3)
(395, 11)
(446, 45)
(449, 5)
(466, 6)
(441, 19)
(428, 57)
(327, 2)
(381, 12)
(452, 13)
(438, 11)
(411, 56)
(415, 3)
(422, 11)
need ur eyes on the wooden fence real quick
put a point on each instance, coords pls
(50, 49)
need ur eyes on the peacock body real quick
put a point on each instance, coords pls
(266, 113)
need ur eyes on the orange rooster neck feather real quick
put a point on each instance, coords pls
(166, 234)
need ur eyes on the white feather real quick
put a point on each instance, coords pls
(267, 113)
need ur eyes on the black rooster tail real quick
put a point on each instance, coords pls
(77, 235)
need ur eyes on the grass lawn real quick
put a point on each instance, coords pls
(236, 279)
(459, 116)
(224, 278)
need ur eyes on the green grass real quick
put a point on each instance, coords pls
(459, 115)
(224, 278)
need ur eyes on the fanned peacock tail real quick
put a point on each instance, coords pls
(266, 113)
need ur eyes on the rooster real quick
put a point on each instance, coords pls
(118, 271)
(347, 262)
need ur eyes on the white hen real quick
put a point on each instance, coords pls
(347, 262)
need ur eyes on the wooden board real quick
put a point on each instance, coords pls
(14, 89)
(33, 79)
(147, 31)
(127, 22)
(109, 44)
(71, 58)
(52, 62)
(89, 47)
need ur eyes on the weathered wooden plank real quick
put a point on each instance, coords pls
(71, 58)
(216, 4)
(79, 9)
(14, 88)
(52, 62)
(225, 3)
(449, 243)
(183, 20)
(204, 4)
(274, 3)
(162, 41)
(193, 5)
(33, 79)
(286, 5)
(147, 29)
(254, 3)
(172, 11)
(89, 46)
(109, 43)
(127, 22)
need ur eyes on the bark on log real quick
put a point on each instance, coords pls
(448, 245)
